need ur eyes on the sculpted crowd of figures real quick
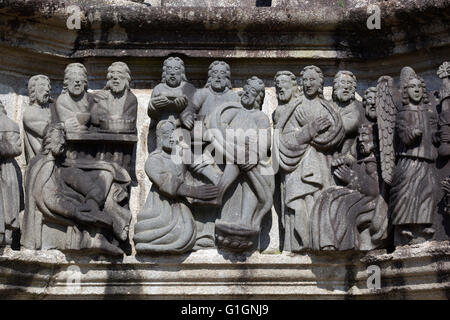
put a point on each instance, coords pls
(352, 175)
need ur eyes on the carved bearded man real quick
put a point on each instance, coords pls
(37, 115)
(10, 147)
(344, 89)
(171, 97)
(116, 102)
(370, 105)
(308, 129)
(74, 98)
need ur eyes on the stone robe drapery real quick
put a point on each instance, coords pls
(10, 147)
(250, 197)
(305, 164)
(165, 224)
(52, 198)
(352, 217)
(413, 194)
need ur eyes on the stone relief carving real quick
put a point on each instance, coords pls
(310, 129)
(10, 147)
(247, 174)
(348, 170)
(408, 131)
(72, 209)
(37, 115)
(165, 224)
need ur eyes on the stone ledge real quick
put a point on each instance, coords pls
(412, 272)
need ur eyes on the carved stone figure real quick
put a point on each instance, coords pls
(353, 217)
(10, 147)
(344, 90)
(165, 224)
(115, 108)
(244, 130)
(173, 95)
(216, 92)
(413, 193)
(37, 115)
(310, 129)
(370, 105)
(444, 106)
(74, 103)
(72, 209)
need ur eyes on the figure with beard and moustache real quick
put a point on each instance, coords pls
(166, 224)
(116, 103)
(352, 216)
(38, 114)
(308, 130)
(249, 180)
(370, 105)
(174, 94)
(74, 98)
(344, 90)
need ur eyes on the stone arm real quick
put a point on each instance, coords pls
(406, 132)
(10, 145)
(83, 183)
(58, 204)
(34, 125)
(152, 110)
(356, 178)
(351, 120)
(161, 176)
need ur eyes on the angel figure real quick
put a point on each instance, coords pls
(408, 138)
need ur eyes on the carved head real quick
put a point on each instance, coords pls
(344, 87)
(369, 103)
(253, 95)
(39, 90)
(415, 91)
(119, 77)
(219, 76)
(165, 135)
(75, 79)
(405, 74)
(54, 139)
(312, 81)
(173, 72)
(365, 140)
(286, 86)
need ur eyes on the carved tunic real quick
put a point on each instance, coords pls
(413, 189)
(165, 224)
(305, 164)
(206, 100)
(10, 147)
(35, 120)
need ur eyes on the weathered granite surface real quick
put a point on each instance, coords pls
(34, 39)
(411, 272)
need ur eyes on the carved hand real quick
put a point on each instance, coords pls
(101, 95)
(344, 173)
(446, 185)
(187, 118)
(203, 192)
(343, 161)
(160, 102)
(320, 125)
(181, 102)
(246, 166)
(72, 124)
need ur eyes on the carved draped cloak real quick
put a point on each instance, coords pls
(46, 193)
(165, 224)
(352, 217)
(10, 147)
(413, 194)
(305, 164)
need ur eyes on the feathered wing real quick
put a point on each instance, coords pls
(386, 114)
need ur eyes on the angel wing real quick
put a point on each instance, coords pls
(386, 114)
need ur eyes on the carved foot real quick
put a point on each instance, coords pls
(234, 237)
